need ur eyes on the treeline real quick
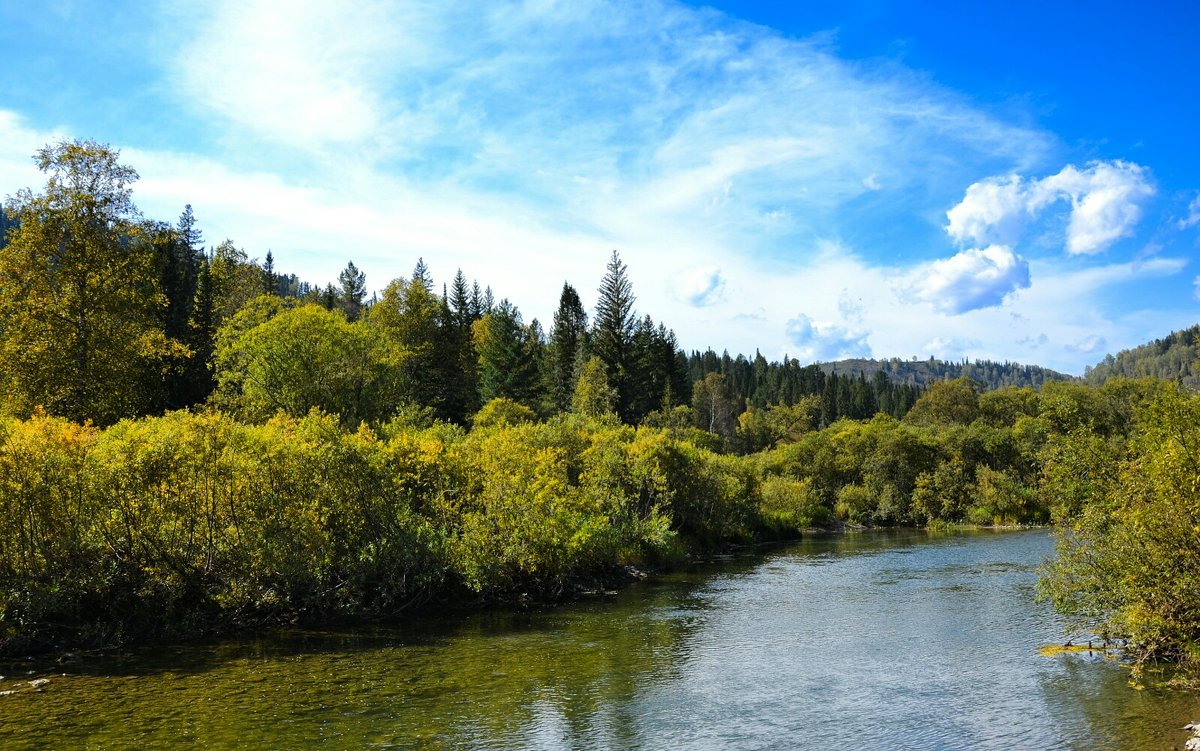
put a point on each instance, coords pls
(758, 383)
(108, 315)
(1172, 358)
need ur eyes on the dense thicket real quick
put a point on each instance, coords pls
(1129, 557)
(1172, 358)
(186, 522)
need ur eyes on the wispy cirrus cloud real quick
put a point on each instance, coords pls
(1193, 214)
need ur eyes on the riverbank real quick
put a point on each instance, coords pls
(935, 638)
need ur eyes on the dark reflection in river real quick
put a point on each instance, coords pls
(886, 640)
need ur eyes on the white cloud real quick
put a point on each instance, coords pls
(950, 348)
(822, 340)
(19, 143)
(305, 72)
(1193, 217)
(1106, 204)
(1089, 345)
(993, 210)
(972, 279)
(702, 286)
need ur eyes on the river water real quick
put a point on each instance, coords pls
(901, 640)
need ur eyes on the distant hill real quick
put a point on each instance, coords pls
(1171, 358)
(921, 373)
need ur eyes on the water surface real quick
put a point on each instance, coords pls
(896, 640)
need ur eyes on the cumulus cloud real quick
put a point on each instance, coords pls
(972, 279)
(822, 340)
(701, 287)
(1105, 198)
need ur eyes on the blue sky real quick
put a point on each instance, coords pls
(1015, 181)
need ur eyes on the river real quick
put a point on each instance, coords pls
(900, 640)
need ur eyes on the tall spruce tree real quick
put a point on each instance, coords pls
(612, 332)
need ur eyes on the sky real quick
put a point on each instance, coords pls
(1012, 181)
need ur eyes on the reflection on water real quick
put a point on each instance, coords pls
(881, 640)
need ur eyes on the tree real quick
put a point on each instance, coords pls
(507, 366)
(354, 290)
(946, 403)
(408, 313)
(178, 270)
(79, 292)
(612, 332)
(1127, 564)
(269, 279)
(306, 357)
(567, 338)
(593, 396)
(715, 408)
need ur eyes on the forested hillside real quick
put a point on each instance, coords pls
(1172, 358)
(923, 373)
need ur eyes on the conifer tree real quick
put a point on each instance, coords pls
(567, 339)
(612, 332)
(353, 291)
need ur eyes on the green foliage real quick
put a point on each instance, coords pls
(273, 357)
(568, 341)
(407, 313)
(79, 296)
(501, 411)
(1128, 564)
(946, 403)
(791, 506)
(593, 396)
(612, 331)
(508, 356)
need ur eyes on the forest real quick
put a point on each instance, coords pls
(192, 442)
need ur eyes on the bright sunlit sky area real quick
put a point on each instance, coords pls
(1014, 181)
